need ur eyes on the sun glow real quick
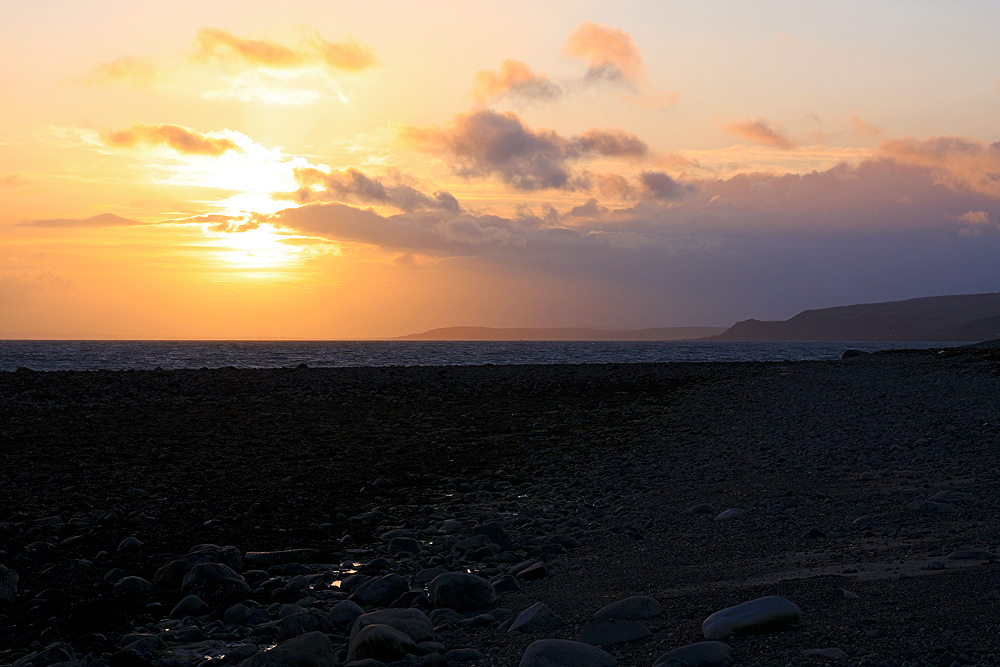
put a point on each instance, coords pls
(254, 175)
(262, 246)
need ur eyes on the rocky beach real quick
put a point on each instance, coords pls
(789, 513)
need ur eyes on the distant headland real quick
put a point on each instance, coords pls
(566, 333)
(960, 317)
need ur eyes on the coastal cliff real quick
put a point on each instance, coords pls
(964, 317)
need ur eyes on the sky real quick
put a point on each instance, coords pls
(326, 169)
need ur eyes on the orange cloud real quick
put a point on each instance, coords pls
(514, 78)
(863, 129)
(760, 131)
(350, 56)
(179, 138)
(129, 70)
(14, 181)
(485, 142)
(609, 52)
(218, 44)
(956, 162)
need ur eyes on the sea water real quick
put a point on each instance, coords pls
(53, 355)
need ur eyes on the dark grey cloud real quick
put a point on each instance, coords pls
(657, 185)
(485, 143)
(354, 186)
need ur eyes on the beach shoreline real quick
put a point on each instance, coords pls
(610, 455)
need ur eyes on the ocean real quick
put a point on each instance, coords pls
(60, 355)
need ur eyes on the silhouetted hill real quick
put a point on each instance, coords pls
(565, 333)
(959, 317)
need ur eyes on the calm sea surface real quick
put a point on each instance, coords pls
(51, 355)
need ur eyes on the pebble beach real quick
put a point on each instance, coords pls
(781, 513)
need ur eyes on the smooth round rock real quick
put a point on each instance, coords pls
(380, 591)
(192, 605)
(380, 642)
(460, 590)
(767, 614)
(565, 653)
(128, 545)
(734, 513)
(132, 591)
(701, 654)
(536, 571)
(345, 612)
(634, 608)
(170, 577)
(403, 545)
(238, 614)
(411, 622)
(536, 618)
(215, 582)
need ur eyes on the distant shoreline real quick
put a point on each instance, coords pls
(565, 334)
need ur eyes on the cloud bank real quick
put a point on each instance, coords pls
(956, 162)
(755, 244)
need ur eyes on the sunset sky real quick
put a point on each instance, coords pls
(327, 169)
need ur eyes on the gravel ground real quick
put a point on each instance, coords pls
(588, 470)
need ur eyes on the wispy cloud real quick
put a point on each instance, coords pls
(216, 44)
(102, 220)
(128, 70)
(516, 79)
(861, 128)
(181, 139)
(760, 131)
(13, 181)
